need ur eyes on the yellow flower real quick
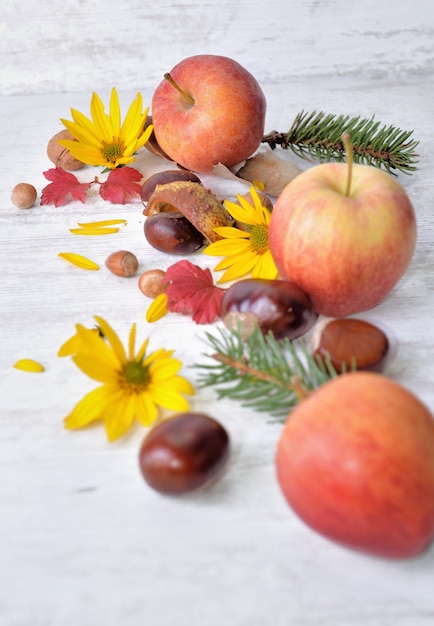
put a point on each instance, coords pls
(245, 249)
(133, 385)
(103, 141)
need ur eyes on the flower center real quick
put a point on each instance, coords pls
(259, 238)
(135, 376)
(113, 151)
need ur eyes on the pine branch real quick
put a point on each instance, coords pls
(261, 372)
(319, 136)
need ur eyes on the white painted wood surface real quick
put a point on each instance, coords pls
(64, 45)
(83, 541)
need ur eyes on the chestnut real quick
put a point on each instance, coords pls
(351, 343)
(173, 233)
(278, 306)
(183, 453)
(162, 178)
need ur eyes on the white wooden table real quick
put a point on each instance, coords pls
(83, 540)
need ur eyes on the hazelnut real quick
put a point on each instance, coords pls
(122, 263)
(24, 195)
(151, 283)
(59, 155)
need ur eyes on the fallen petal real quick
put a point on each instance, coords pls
(102, 223)
(29, 365)
(79, 260)
(93, 231)
(157, 309)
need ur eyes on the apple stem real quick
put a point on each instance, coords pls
(348, 147)
(185, 95)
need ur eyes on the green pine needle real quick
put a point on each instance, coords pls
(318, 136)
(260, 372)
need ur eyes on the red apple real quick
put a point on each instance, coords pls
(355, 461)
(345, 245)
(208, 110)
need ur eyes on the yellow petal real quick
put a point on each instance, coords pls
(165, 368)
(112, 338)
(225, 247)
(29, 365)
(134, 121)
(146, 409)
(161, 353)
(115, 112)
(100, 119)
(79, 260)
(182, 385)
(142, 351)
(81, 134)
(265, 267)
(229, 232)
(96, 368)
(102, 223)
(240, 213)
(157, 309)
(239, 268)
(85, 125)
(144, 138)
(93, 231)
(132, 342)
(95, 345)
(90, 407)
(169, 398)
(74, 344)
(119, 417)
(84, 152)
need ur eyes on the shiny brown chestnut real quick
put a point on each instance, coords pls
(184, 453)
(278, 305)
(162, 178)
(350, 343)
(173, 233)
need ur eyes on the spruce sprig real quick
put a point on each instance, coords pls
(318, 136)
(260, 372)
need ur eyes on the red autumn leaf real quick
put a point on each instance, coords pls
(121, 184)
(191, 291)
(63, 188)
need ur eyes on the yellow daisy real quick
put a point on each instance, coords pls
(103, 141)
(134, 385)
(245, 249)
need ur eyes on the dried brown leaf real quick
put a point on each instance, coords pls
(273, 172)
(201, 207)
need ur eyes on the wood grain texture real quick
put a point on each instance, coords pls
(83, 541)
(63, 45)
